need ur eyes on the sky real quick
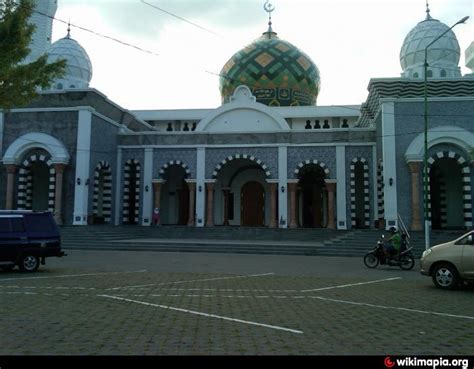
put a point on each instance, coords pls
(350, 42)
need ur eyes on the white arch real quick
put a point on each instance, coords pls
(243, 114)
(21, 145)
(443, 134)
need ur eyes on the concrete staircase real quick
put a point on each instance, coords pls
(248, 240)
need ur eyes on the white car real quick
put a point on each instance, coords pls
(450, 263)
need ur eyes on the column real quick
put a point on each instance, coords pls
(415, 167)
(192, 198)
(210, 204)
(331, 188)
(292, 189)
(11, 173)
(58, 195)
(147, 208)
(273, 203)
(157, 183)
(226, 192)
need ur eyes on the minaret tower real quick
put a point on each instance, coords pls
(42, 18)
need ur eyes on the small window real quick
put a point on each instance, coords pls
(430, 73)
(194, 126)
(443, 73)
(344, 123)
(326, 124)
(415, 75)
(59, 86)
(317, 125)
(308, 125)
(170, 127)
(186, 127)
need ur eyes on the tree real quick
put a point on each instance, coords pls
(19, 81)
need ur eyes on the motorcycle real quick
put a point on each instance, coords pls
(404, 259)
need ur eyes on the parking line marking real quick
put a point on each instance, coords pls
(351, 285)
(204, 314)
(195, 280)
(71, 275)
(394, 308)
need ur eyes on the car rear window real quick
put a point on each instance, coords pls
(38, 223)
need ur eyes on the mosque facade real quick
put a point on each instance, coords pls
(267, 157)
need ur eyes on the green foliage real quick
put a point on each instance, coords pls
(19, 81)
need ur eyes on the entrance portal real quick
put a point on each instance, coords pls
(252, 204)
(313, 196)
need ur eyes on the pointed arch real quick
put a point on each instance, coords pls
(241, 156)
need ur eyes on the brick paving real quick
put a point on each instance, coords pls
(180, 304)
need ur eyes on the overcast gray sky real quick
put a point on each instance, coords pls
(350, 42)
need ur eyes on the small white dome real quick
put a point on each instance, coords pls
(78, 72)
(443, 55)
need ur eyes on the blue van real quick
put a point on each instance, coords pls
(27, 238)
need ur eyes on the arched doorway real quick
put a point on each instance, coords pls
(102, 193)
(360, 201)
(252, 204)
(39, 172)
(175, 196)
(313, 196)
(446, 193)
(131, 207)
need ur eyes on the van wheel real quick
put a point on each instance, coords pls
(445, 276)
(29, 263)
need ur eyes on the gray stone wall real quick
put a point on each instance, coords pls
(268, 156)
(165, 156)
(325, 154)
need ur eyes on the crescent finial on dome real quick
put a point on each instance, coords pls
(428, 16)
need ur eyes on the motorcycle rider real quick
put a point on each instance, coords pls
(393, 244)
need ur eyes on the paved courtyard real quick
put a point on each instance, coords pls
(152, 303)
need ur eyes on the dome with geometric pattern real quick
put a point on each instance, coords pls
(78, 71)
(277, 73)
(442, 56)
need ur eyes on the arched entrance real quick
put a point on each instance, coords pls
(131, 206)
(36, 182)
(446, 193)
(175, 196)
(252, 204)
(39, 172)
(102, 193)
(360, 201)
(313, 199)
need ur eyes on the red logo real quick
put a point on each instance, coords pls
(388, 362)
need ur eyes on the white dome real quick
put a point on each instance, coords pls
(443, 55)
(78, 72)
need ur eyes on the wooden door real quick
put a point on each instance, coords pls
(252, 205)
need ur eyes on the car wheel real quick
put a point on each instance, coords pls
(445, 276)
(29, 263)
(371, 260)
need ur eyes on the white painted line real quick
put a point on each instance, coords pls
(395, 308)
(204, 314)
(195, 280)
(71, 275)
(351, 285)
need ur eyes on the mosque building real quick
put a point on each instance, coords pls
(267, 157)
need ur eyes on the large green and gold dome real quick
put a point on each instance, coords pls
(277, 73)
